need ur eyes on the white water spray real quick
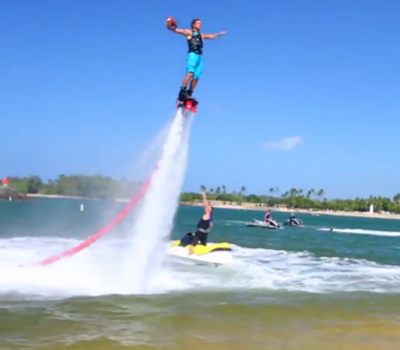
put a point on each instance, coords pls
(159, 207)
(143, 255)
(152, 152)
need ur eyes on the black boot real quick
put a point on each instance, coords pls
(190, 92)
(183, 94)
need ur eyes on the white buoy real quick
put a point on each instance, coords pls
(10, 199)
(82, 207)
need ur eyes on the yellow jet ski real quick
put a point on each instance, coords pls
(201, 249)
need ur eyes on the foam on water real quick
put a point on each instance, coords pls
(258, 269)
(361, 231)
(289, 271)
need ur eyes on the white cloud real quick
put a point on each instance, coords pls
(286, 144)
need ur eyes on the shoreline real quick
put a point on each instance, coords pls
(355, 214)
(61, 196)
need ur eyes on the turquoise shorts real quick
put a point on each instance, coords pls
(194, 64)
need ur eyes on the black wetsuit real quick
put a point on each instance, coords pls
(203, 227)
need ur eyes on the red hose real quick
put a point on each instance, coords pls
(106, 229)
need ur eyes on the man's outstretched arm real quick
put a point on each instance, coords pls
(212, 36)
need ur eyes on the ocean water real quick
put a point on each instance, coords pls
(295, 288)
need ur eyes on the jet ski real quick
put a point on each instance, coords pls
(271, 224)
(212, 253)
(294, 222)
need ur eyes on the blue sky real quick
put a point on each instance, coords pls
(298, 93)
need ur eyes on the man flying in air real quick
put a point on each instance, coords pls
(194, 57)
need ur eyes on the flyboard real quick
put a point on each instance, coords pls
(210, 254)
(187, 105)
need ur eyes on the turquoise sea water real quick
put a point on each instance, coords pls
(295, 288)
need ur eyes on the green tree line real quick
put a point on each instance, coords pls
(106, 187)
(76, 185)
(298, 198)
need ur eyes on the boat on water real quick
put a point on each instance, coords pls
(271, 224)
(294, 223)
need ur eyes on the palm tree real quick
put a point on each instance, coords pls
(223, 189)
(271, 190)
(203, 188)
(320, 193)
(243, 192)
(212, 190)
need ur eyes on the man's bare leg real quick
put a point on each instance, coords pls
(193, 84)
(186, 79)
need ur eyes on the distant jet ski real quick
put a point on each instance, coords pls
(212, 253)
(270, 224)
(295, 223)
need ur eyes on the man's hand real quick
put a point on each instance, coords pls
(205, 203)
(185, 32)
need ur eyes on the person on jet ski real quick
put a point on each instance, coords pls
(293, 220)
(268, 219)
(267, 215)
(204, 225)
